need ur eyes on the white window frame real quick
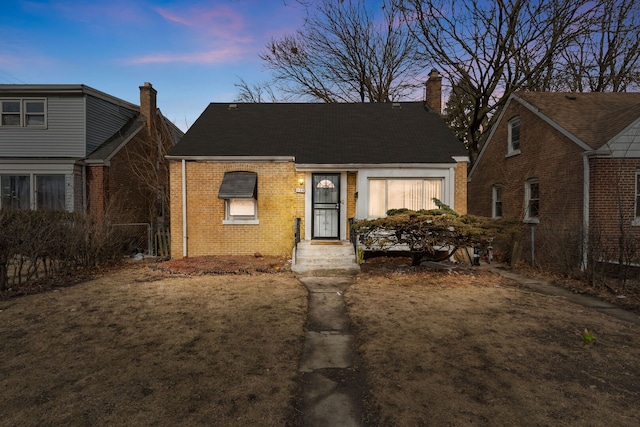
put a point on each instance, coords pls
(23, 114)
(528, 199)
(636, 219)
(496, 198)
(240, 216)
(514, 123)
(425, 204)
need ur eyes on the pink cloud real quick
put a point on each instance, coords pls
(221, 21)
(229, 54)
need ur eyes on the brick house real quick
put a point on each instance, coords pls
(244, 173)
(74, 148)
(568, 166)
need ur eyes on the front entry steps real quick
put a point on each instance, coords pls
(324, 258)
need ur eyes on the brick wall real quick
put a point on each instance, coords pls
(97, 191)
(612, 200)
(551, 158)
(460, 188)
(278, 205)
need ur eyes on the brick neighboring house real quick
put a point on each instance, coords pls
(243, 173)
(74, 148)
(568, 164)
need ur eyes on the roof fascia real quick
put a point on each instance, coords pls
(64, 89)
(125, 141)
(491, 133)
(538, 113)
(233, 158)
(356, 166)
(555, 125)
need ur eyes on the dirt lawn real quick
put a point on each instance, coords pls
(147, 346)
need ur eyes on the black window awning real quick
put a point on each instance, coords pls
(239, 185)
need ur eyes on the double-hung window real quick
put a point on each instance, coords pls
(27, 112)
(240, 193)
(514, 136)
(398, 193)
(496, 202)
(532, 200)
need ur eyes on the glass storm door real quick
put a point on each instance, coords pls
(326, 206)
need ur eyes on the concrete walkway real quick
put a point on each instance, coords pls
(333, 388)
(547, 288)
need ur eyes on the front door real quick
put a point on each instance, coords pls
(326, 206)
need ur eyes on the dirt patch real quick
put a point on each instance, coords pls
(227, 265)
(469, 348)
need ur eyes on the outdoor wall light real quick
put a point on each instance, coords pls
(301, 181)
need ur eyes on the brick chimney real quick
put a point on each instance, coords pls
(433, 93)
(148, 106)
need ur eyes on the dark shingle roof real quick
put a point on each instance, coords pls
(594, 117)
(366, 133)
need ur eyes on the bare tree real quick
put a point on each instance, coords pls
(606, 58)
(492, 49)
(347, 51)
(256, 92)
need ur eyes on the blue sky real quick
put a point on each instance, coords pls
(191, 51)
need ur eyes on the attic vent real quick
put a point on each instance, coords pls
(396, 105)
(571, 97)
(233, 106)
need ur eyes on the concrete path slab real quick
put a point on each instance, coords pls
(326, 350)
(332, 385)
(327, 312)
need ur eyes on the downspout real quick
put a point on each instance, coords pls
(585, 209)
(185, 252)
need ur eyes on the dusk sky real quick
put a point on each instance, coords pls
(191, 51)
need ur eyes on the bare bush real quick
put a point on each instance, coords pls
(36, 244)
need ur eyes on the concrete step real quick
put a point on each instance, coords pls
(324, 259)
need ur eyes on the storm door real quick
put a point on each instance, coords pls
(326, 206)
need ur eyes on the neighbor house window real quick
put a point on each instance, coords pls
(514, 135)
(637, 221)
(23, 113)
(496, 202)
(532, 200)
(414, 194)
(240, 193)
(15, 192)
(50, 193)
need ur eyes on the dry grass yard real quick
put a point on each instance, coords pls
(146, 346)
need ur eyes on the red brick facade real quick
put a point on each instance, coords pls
(558, 164)
(612, 209)
(555, 162)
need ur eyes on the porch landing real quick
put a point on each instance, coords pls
(324, 258)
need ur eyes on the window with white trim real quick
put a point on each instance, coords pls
(532, 200)
(23, 113)
(398, 193)
(239, 189)
(240, 209)
(496, 201)
(514, 135)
